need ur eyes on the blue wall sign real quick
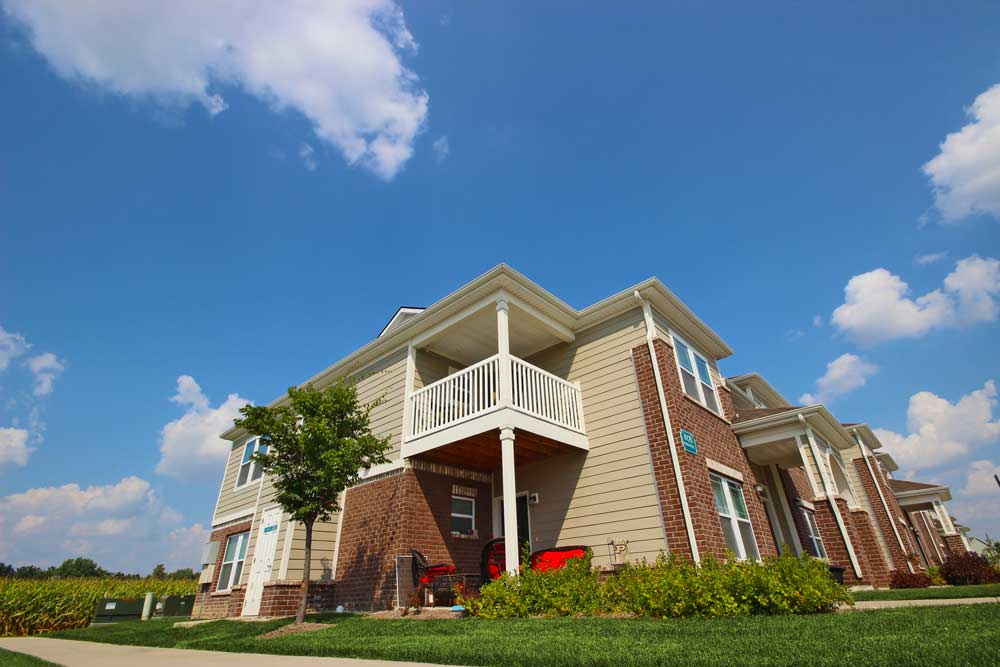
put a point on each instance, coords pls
(690, 444)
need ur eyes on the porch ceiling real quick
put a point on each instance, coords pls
(474, 337)
(482, 452)
(784, 453)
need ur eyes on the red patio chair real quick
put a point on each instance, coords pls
(493, 562)
(555, 558)
(425, 573)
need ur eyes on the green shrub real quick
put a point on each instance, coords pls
(935, 576)
(669, 588)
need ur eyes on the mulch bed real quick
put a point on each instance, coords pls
(425, 613)
(294, 629)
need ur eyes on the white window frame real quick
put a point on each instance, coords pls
(732, 516)
(471, 517)
(812, 532)
(693, 356)
(255, 473)
(242, 540)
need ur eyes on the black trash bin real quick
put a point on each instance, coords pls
(837, 572)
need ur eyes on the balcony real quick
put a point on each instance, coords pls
(500, 391)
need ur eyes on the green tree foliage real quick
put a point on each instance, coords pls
(78, 568)
(318, 442)
(159, 572)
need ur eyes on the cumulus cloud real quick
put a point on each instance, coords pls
(121, 525)
(965, 174)
(339, 64)
(14, 449)
(45, 367)
(12, 345)
(979, 480)
(308, 156)
(877, 306)
(844, 374)
(190, 446)
(941, 432)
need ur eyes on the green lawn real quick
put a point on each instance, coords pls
(983, 591)
(963, 635)
(12, 659)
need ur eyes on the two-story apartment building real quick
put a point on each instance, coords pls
(512, 414)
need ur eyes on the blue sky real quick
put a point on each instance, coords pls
(247, 216)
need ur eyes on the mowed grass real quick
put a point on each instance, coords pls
(948, 592)
(961, 635)
(12, 659)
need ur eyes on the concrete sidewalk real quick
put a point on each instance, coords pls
(71, 653)
(869, 605)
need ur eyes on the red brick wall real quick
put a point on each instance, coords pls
(873, 565)
(884, 522)
(954, 544)
(389, 517)
(208, 603)
(716, 441)
(281, 598)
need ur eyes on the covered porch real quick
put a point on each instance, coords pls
(491, 410)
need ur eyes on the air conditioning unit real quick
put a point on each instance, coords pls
(210, 552)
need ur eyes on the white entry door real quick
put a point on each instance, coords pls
(263, 560)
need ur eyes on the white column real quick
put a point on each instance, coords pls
(511, 547)
(787, 509)
(503, 349)
(411, 371)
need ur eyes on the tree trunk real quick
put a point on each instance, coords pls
(300, 615)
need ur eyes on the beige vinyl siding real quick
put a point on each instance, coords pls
(609, 493)
(386, 379)
(230, 499)
(324, 549)
(430, 367)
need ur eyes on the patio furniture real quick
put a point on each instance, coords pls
(494, 561)
(425, 573)
(555, 558)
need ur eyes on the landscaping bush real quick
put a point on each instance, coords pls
(904, 579)
(668, 588)
(31, 606)
(936, 579)
(969, 568)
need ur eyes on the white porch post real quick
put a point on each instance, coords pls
(510, 544)
(786, 508)
(503, 350)
(411, 368)
(944, 518)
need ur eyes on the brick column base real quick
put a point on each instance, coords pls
(954, 544)
(281, 598)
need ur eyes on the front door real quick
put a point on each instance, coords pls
(523, 521)
(263, 560)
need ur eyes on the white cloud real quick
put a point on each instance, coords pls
(308, 156)
(979, 480)
(45, 367)
(12, 345)
(337, 63)
(940, 432)
(965, 173)
(190, 446)
(441, 149)
(844, 374)
(929, 258)
(877, 307)
(14, 447)
(817, 320)
(123, 526)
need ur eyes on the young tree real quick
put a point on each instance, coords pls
(159, 572)
(318, 443)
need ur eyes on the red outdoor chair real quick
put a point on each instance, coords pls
(555, 558)
(493, 562)
(425, 573)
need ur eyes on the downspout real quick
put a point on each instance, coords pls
(881, 496)
(647, 314)
(831, 498)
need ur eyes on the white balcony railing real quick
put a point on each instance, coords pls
(476, 390)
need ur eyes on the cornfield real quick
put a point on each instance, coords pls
(32, 606)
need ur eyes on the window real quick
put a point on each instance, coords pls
(734, 518)
(250, 470)
(232, 561)
(463, 515)
(695, 376)
(818, 549)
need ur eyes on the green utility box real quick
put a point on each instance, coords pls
(113, 610)
(176, 605)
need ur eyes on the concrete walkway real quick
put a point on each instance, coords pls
(71, 653)
(868, 605)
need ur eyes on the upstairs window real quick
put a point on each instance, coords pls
(695, 375)
(250, 470)
(734, 518)
(463, 515)
(817, 542)
(232, 561)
